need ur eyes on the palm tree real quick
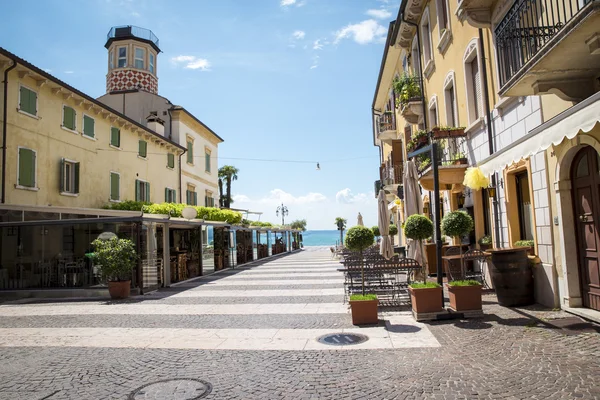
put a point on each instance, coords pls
(229, 173)
(221, 196)
(341, 224)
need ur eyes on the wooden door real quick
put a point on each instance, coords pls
(586, 201)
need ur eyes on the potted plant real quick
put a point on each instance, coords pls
(393, 232)
(460, 159)
(442, 132)
(364, 308)
(457, 224)
(418, 227)
(485, 242)
(526, 243)
(464, 295)
(116, 259)
(425, 298)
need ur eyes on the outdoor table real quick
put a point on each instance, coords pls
(458, 257)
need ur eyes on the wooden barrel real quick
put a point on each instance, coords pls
(512, 277)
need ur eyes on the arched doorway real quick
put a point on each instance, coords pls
(585, 177)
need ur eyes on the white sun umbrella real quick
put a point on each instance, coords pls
(360, 220)
(413, 204)
(383, 221)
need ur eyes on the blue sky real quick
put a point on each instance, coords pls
(277, 79)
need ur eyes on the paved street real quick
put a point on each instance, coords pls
(251, 333)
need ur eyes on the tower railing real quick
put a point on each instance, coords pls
(129, 31)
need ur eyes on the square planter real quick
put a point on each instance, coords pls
(460, 161)
(465, 298)
(364, 312)
(427, 300)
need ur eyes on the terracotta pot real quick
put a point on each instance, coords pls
(119, 290)
(464, 298)
(364, 312)
(427, 300)
(456, 133)
(460, 161)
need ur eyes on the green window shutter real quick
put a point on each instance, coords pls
(88, 126)
(173, 196)
(138, 195)
(187, 197)
(143, 148)
(115, 137)
(167, 195)
(195, 198)
(114, 186)
(171, 160)
(26, 167)
(190, 152)
(28, 101)
(69, 118)
(148, 192)
(76, 178)
(207, 162)
(33, 102)
(61, 179)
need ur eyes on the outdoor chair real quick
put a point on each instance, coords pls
(477, 257)
(454, 270)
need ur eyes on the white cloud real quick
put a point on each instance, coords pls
(313, 66)
(362, 33)
(287, 3)
(299, 35)
(317, 45)
(319, 210)
(379, 13)
(69, 72)
(192, 62)
(135, 14)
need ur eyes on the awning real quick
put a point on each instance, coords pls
(568, 124)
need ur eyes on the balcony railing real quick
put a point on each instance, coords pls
(392, 175)
(387, 122)
(527, 27)
(407, 89)
(117, 32)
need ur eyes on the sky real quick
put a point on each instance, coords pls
(286, 83)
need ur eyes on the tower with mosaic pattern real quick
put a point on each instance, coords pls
(132, 59)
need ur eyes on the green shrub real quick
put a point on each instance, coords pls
(359, 238)
(363, 297)
(375, 230)
(174, 209)
(524, 243)
(457, 224)
(486, 240)
(393, 230)
(418, 227)
(426, 285)
(464, 283)
(116, 258)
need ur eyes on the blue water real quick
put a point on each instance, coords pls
(321, 238)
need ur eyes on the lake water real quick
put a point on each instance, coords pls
(321, 238)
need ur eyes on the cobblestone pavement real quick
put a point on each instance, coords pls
(509, 354)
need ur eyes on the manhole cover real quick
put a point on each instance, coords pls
(343, 339)
(180, 389)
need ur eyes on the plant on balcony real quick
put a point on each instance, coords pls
(485, 242)
(459, 158)
(442, 132)
(407, 87)
(526, 243)
(419, 139)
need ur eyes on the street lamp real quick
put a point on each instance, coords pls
(284, 211)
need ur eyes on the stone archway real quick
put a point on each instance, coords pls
(565, 154)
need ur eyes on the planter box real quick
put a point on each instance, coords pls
(465, 298)
(364, 312)
(460, 161)
(427, 300)
(446, 133)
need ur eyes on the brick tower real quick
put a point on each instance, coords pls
(132, 56)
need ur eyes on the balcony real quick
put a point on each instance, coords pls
(409, 98)
(387, 127)
(452, 163)
(478, 13)
(131, 32)
(391, 177)
(549, 46)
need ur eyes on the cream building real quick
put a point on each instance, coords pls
(132, 89)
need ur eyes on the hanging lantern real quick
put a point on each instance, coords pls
(475, 179)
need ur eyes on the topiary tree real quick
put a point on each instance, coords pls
(376, 232)
(393, 232)
(418, 227)
(116, 257)
(358, 238)
(457, 224)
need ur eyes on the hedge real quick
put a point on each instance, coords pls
(174, 209)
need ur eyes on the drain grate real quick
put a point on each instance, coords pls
(171, 389)
(343, 339)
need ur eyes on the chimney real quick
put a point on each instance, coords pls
(156, 124)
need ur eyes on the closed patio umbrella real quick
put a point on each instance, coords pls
(360, 220)
(383, 221)
(413, 204)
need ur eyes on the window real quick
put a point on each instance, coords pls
(88, 126)
(69, 176)
(473, 81)
(170, 195)
(426, 35)
(171, 160)
(142, 191)
(139, 58)
(111, 60)
(191, 196)
(27, 101)
(485, 197)
(476, 89)
(151, 66)
(442, 14)
(450, 100)
(207, 161)
(209, 201)
(69, 115)
(122, 59)
(433, 115)
(416, 63)
(27, 166)
(525, 207)
(190, 152)
(115, 137)
(115, 186)
(142, 148)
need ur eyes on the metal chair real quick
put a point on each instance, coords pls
(478, 256)
(454, 270)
